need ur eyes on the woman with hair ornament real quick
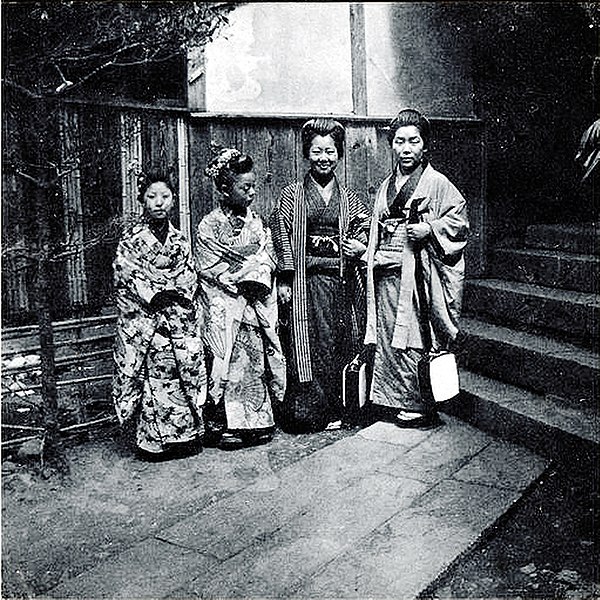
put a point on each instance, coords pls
(160, 379)
(235, 263)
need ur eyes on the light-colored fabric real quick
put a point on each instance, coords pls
(248, 368)
(442, 206)
(159, 366)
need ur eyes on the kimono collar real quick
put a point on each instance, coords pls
(407, 189)
(326, 192)
(159, 228)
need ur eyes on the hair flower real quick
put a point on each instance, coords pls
(220, 161)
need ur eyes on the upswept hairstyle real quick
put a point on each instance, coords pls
(323, 127)
(224, 167)
(408, 117)
(145, 180)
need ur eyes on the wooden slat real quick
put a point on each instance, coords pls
(151, 133)
(281, 160)
(359, 57)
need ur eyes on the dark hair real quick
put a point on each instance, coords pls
(406, 118)
(323, 127)
(145, 180)
(224, 167)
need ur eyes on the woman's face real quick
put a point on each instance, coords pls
(241, 191)
(323, 156)
(408, 147)
(158, 200)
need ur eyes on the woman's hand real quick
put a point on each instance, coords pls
(417, 231)
(284, 292)
(352, 248)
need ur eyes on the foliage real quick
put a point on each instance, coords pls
(54, 47)
(55, 50)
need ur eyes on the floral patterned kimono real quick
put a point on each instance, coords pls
(392, 300)
(248, 368)
(160, 377)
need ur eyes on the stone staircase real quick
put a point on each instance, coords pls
(530, 358)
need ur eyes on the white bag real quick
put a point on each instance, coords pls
(443, 376)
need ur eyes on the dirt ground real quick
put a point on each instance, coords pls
(56, 527)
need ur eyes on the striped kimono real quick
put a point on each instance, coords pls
(326, 318)
(392, 300)
(160, 378)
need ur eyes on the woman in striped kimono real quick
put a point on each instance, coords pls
(235, 262)
(418, 214)
(160, 380)
(319, 232)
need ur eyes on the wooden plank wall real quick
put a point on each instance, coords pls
(458, 150)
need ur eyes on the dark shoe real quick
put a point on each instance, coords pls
(425, 421)
(257, 438)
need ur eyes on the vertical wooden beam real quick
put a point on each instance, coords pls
(185, 224)
(196, 79)
(358, 56)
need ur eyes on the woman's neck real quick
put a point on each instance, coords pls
(236, 211)
(322, 180)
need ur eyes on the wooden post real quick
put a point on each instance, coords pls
(196, 79)
(358, 56)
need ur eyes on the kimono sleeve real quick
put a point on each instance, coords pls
(130, 273)
(449, 225)
(280, 224)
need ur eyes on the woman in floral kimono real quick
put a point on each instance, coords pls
(418, 213)
(235, 262)
(319, 231)
(160, 381)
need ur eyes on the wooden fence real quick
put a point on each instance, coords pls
(103, 149)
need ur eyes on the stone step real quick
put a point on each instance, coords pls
(568, 314)
(543, 424)
(550, 268)
(379, 514)
(579, 238)
(541, 364)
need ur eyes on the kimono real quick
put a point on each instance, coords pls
(247, 370)
(160, 378)
(325, 322)
(392, 299)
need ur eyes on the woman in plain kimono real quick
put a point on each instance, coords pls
(160, 380)
(235, 262)
(319, 231)
(413, 188)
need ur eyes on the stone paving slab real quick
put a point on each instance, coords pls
(331, 525)
(406, 553)
(378, 514)
(150, 569)
(228, 526)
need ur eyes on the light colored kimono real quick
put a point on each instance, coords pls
(160, 375)
(392, 301)
(248, 368)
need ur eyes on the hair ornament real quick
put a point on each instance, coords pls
(218, 163)
(142, 179)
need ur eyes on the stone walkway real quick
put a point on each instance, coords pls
(379, 514)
